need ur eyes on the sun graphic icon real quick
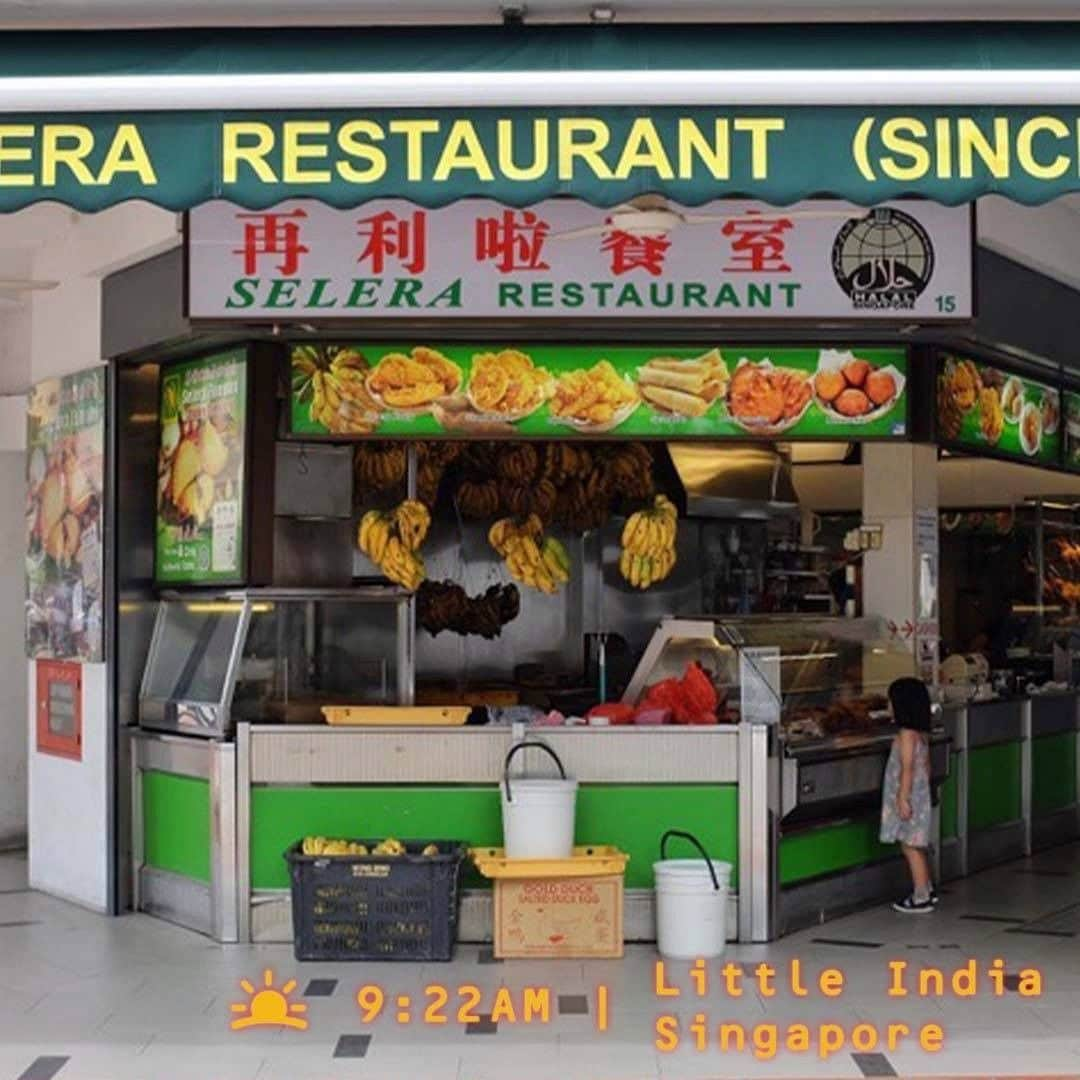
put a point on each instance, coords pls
(268, 1007)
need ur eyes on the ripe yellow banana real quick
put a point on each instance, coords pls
(380, 539)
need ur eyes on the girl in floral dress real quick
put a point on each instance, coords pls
(905, 804)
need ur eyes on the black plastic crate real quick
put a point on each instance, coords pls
(376, 907)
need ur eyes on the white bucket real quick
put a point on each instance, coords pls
(691, 905)
(538, 814)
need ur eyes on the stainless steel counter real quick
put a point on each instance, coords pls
(997, 767)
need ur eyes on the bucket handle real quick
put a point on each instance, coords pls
(697, 843)
(522, 746)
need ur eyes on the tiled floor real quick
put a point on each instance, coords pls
(84, 997)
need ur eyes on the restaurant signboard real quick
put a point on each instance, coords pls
(542, 390)
(726, 259)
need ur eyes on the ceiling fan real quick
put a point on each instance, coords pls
(652, 215)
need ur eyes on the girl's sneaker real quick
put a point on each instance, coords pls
(910, 906)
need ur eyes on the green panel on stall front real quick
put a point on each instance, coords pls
(994, 780)
(176, 824)
(1053, 772)
(831, 848)
(632, 817)
(950, 805)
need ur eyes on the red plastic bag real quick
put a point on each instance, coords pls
(691, 699)
(615, 711)
(699, 690)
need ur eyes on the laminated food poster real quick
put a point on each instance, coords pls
(200, 495)
(65, 476)
(559, 391)
(982, 407)
(1072, 430)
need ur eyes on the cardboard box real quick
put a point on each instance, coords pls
(559, 917)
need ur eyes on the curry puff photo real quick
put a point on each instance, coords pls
(850, 390)
(594, 400)
(508, 385)
(413, 382)
(767, 399)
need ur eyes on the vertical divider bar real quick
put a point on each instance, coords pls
(1026, 771)
(1076, 729)
(243, 832)
(962, 786)
(759, 792)
(223, 862)
(138, 840)
(408, 685)
(746, 833)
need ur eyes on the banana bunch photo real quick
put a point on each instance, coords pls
(331, 381)
(535, 560)
(648, 544)
(391, 540)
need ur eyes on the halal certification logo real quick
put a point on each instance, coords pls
(884, 260)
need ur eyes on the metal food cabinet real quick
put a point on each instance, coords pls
(274, 655)
(817, 686)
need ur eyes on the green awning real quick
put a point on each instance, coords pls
(864, 113)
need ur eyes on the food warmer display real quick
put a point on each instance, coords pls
(274, 655)
(820, 684)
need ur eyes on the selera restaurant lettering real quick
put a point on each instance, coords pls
(486, 147)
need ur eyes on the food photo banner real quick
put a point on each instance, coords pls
(65, 480)
(1071, 411)
(200, 500)
(605, 155)
(983, 408)
(730, 259)
(560, 391)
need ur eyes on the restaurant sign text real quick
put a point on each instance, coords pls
(729, 259)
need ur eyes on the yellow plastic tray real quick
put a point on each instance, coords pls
(589, 860)
(397, 715)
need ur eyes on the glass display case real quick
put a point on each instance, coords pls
(817, 675)
(274, 656)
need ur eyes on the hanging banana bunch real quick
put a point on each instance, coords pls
(648, 544)
(535, 560)
(391, 540)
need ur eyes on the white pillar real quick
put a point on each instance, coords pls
(900, 581)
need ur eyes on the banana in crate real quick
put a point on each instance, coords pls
(390, 847)
(538, 561)
(648, 544)
(392, 541)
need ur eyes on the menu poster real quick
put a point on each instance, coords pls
(558, 391)
(981, 407)
(200, 495)
(1072, 430)
(65, 481)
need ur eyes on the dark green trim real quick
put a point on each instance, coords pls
(176, 824)
(540, 48)
(632, 817)
(817, 852)
(1053, 772)
(994, 785)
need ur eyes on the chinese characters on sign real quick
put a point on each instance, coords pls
(728, 259)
